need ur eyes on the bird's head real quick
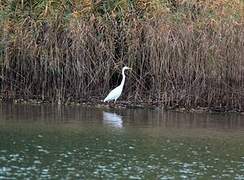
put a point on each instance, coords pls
(125, 68)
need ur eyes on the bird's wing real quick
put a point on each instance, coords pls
(114, 94)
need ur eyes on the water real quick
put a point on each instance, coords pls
(59, 142)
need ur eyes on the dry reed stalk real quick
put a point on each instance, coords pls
(186, 64)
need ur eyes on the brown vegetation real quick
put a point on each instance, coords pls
(182, 54)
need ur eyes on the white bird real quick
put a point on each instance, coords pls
(116, 92)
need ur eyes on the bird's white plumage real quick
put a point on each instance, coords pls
(116, 92)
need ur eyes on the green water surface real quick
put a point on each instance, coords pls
(50, 142)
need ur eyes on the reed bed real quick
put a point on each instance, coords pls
(181, 57)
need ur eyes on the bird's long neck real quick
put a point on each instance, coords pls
(123, 79)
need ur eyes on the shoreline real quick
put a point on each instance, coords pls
(124, 105)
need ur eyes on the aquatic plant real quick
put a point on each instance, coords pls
(183, 53)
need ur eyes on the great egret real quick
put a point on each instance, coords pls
(116, 92)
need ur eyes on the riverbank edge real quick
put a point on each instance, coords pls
(95, 102)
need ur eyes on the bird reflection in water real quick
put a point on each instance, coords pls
(112, 119)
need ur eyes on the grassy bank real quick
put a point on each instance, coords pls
(183, 53)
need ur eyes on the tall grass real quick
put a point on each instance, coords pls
(182, 53)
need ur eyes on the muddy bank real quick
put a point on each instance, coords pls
(96, 102)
